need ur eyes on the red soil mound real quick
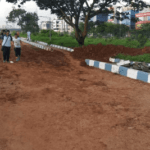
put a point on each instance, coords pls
(102, 53)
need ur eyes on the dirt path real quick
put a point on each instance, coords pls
(48, 101)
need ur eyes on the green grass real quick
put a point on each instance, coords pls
(71, 42)
(139, 58)
(68, 41)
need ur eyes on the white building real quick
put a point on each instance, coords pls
(45, 25)
(59, 25)
(3, 26)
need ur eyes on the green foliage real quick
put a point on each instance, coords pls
(15, 15)
(81, 26)
(139, 58)
(27, 21)
(142, 40)
(44, 31)
(71, 41)
(13, 33)
(35, 33)
(30, 22)
(72, 34)
(101, 28)
(68, 6)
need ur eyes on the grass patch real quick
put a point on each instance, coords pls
(68, 41)
(140, 58)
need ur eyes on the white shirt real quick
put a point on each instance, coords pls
(28, 33)
(8, 43)
(17, 42)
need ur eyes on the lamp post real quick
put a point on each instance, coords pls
(49, 26)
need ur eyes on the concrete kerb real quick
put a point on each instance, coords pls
(131, 73)
(47, 47)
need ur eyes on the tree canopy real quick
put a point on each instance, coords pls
(27, 21)
(82, 9)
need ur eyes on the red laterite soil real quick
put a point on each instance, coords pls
(53, 101)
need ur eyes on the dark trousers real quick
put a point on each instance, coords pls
(6, 53)
(17, 51)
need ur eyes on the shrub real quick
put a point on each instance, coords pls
(142, 40)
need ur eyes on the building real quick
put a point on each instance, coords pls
(144, 17)
(45, 25)
(107, 17)
(59, 25)
(3, 26)
(129, 22)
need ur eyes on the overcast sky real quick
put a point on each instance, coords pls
(30, 6)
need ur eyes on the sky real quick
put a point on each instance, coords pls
(30, 6)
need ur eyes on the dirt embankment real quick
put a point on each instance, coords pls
(102, 53)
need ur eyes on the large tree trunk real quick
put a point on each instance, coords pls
(79, 37)
(80, 41)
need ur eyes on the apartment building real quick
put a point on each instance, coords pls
(45, 25)
(59, 25)
(144, 17)
(3, 26)
(107, 17)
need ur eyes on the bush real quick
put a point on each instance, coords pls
(35, 34)
(72, 34)
(142, 40)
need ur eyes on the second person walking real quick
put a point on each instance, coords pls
(17, 46)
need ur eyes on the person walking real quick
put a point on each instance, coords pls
(17, 46)
(3, 33)
(28, 35)
(6, 45)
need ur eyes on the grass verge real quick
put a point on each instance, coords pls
(139, 58)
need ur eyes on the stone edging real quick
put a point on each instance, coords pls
(47, 47)
(131, 73)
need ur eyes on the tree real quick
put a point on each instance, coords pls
(74, 8)
(30, 22)
(15, 16)
(27, 21)
(116, 29)
(91, 26)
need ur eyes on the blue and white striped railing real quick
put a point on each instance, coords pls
(128, 72)
(47, 47)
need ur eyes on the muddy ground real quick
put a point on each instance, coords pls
(53, 101)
